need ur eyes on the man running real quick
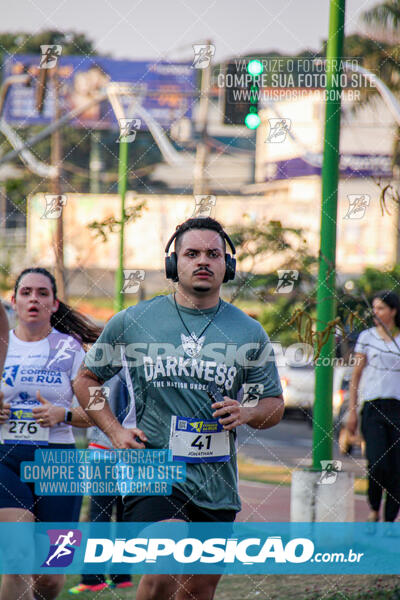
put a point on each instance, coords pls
(175, 346)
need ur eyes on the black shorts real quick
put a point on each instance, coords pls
(149, 509)
(15, 493)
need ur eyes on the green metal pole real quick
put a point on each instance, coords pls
(326, 305)
(122, 182)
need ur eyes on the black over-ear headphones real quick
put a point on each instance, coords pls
(171, 261)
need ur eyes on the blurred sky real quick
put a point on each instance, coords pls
(141, 29)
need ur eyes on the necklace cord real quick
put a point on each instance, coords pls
(208, 324)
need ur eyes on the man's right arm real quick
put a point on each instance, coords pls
(104, 418)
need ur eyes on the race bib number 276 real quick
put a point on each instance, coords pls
(21, 428)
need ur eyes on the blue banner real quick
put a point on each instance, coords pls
(177, 547)
(169, 89)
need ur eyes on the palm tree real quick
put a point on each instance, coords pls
(378, 56)
(383, 25)
(384, 21)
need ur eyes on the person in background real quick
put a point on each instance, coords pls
(44, 354)
(101, 507)
(377, 354)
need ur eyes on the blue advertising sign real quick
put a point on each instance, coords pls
(168, 89)
(194, 548)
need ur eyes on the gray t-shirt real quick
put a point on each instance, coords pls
(170, 371)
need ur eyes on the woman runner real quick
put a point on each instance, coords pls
(44, 354)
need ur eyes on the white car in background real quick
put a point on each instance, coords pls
(298, 385)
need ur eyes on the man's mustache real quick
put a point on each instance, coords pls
(202, 270)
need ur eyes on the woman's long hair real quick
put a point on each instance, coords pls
(392, 300)
(65, 320)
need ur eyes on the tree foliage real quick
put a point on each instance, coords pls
(27, 43)
(384, 19)
(109, 225)
(290, 317)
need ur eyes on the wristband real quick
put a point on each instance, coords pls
(68, 416)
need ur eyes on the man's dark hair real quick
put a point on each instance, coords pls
(199, 223)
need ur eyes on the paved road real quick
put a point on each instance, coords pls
(271, 502)
(290, 444)
(287, 444)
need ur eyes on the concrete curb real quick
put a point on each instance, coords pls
(265, 472)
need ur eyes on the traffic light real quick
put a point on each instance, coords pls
(252, 119)
(236, 105)
(241, 88)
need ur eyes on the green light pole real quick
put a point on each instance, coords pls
(326, 305)
(122, 183)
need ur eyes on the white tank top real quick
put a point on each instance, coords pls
(49, 366)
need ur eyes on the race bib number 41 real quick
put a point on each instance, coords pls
(195, 441)
(21, 428)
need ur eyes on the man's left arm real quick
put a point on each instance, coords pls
(261, 372)
(267, 413)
